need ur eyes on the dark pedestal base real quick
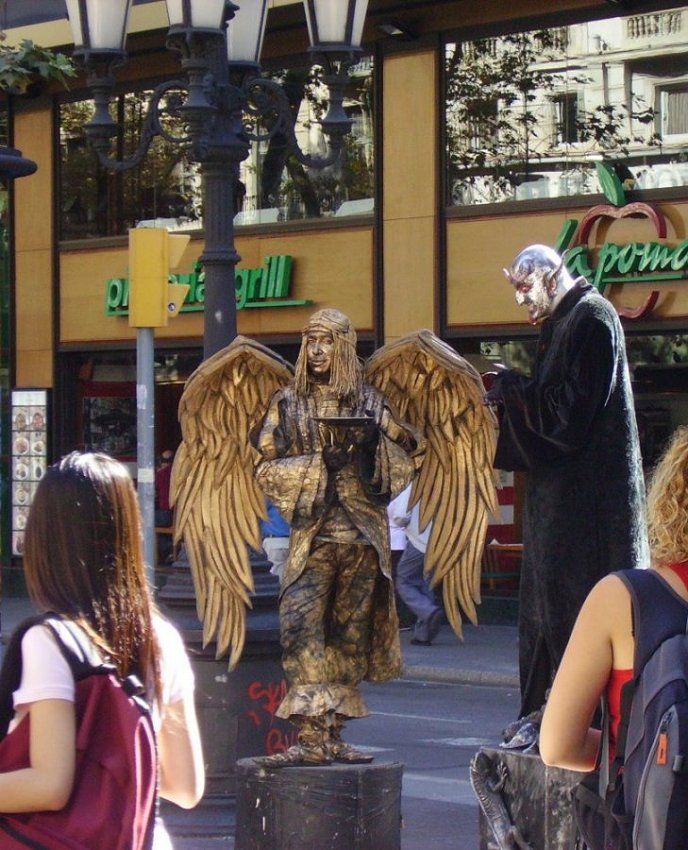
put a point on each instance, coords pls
(341, 807)
(236, 709)
(538, 799)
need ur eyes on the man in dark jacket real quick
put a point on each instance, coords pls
(572, 427)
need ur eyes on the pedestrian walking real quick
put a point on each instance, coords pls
(410, 581)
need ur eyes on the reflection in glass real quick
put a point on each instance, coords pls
(529, 113)
(271, 184)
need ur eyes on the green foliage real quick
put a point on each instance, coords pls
(21, 65)
(492, 85)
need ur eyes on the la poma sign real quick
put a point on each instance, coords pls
(631, 262)
(268, 287)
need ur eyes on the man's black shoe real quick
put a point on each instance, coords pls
(434, 623)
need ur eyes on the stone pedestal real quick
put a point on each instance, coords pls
(339, 807)
(537, 799)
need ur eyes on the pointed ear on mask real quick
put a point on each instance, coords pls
(551, 281)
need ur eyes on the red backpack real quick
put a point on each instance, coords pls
(113, 802)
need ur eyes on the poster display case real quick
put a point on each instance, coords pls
(29, 451)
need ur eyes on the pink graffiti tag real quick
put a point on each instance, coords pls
(267, 697)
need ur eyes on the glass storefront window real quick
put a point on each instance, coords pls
(95, 202)
(529, 113)
(276, 187)
(271, 184)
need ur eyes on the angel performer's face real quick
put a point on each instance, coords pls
(319, 351)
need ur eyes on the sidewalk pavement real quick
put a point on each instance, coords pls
(488, 655)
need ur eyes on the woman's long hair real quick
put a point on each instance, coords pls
(667, 503)
(83, 559)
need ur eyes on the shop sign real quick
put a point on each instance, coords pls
(633, 262)
(265, 287)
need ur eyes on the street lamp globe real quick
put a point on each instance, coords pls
(245, 32)
(197, 15)
(13, 164)
(335, 25)
(99, 27)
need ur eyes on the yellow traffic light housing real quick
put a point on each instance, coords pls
(153, 299)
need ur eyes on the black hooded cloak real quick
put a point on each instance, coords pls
(572, 427)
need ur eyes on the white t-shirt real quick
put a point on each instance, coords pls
(408, 521)
(397, 514)
(46, 675)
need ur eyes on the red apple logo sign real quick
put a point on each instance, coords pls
(633, 262)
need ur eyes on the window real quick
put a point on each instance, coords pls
(528, 113)
(674, 110)
(271, 185)
(565, 118)
(97, 202)
(275, 186)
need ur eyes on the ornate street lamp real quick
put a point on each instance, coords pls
(221, 96)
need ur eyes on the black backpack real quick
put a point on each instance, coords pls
(643, 804)
(113, 801)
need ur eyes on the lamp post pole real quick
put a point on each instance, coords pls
(220, 92)
(219, 257)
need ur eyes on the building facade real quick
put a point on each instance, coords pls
(476, 130)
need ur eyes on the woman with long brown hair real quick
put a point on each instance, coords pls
(84, 562)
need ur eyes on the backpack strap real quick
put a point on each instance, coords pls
(84, 659)
(657, 613)
(76, 648)
(11, 672)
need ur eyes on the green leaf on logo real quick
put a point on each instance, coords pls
(610, 183)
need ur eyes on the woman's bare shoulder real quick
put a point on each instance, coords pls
(609, 591)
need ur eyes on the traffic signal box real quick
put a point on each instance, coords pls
(152, 298)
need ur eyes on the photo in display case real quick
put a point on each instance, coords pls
(29, 448)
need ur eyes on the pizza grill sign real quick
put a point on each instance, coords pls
(632, 262)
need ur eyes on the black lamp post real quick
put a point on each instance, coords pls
(221, 96)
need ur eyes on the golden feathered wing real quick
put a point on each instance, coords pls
(441, 394)
(217, 503)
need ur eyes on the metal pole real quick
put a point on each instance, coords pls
(145, 443)
(219, 256)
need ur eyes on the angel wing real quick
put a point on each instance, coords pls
(217, 503)
(436, 390)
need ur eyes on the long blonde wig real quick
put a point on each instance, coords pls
(667, 503)
(346, 375)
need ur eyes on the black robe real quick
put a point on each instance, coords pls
(572, 427)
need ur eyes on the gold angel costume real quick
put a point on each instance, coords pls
(337, 614)
(331, 445)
